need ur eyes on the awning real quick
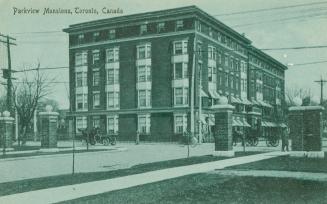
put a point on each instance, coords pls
(246, 124)
(237, 123)
(283, 125)
(264, 104)
(213, 94)
(254, 102)
(235, 100)
(245, 101)
(203, 94)
(264, 124)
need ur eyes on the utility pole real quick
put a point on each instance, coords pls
(7, 72)
(322, 83)
(192, 89)
(7, 75)
(200, 104)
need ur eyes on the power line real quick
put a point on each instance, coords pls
(271, 9)
(295, 48)
(308, 63)
(281, 20)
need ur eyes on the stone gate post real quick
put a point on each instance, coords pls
(305, 123)
(223, 130)
(48, 128)
(6, 131)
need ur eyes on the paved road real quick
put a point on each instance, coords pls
(34, 167)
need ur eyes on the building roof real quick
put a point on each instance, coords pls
(265, 56)
(175, 12)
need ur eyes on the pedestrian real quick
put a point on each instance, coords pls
(285, 139)
(137, 140)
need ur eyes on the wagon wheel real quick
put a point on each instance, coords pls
(105, 141)
(267, 142)
(274, 142)
(113, 141)
(255, 141)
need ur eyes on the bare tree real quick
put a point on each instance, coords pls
(296, 92)
(28, 94)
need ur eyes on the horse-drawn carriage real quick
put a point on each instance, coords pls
(94, 136)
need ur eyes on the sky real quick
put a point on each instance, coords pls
(269, 28)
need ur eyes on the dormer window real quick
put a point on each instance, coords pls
(161, 27)
(143, 29)
(179, 25)
(112, 34)
(96, 36)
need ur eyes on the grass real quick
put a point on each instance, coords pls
(30, 154)
(214, 188)
(55, 181)
(287, 163)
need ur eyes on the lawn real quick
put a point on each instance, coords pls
(287, 163)
(55, 181)
(214, 188)
(62, 151)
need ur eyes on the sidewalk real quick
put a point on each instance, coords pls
(63, 193)
(274, 173)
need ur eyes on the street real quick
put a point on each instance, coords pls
(50, 165)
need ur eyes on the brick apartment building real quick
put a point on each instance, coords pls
(137, 72)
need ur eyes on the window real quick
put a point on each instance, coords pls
(180, 96)
(112, 100)
(212, 54)
(95, 57)
(144, 51)
(179, 25)
(144, 98)
(226, 80)
(81, 79)
(96, 99)
(212, 74)
(161, 27)
(112, 54)
(143, 29)
(180, 47)
(180, 70)
(80, 38)
(96, 121)
(220, 60)
(180, 123)
(231, 80)
(112, 34)
(226, 60)
(81, 123)
(112, 76)
(96, 78)
(143, 73)
(112, 124)
(144, 124)
(81, 101)
(96, 36)
(199, 49)
(81, 58)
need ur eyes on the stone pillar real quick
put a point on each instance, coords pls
(6, 130)
(305, 123)
(223, 130)
(48, 128)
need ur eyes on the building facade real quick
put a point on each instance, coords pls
(150, 72)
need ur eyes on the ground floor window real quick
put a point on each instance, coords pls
(81, 123)
(180, 123)
(112, 124)
(144, 124)
(96, 121)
